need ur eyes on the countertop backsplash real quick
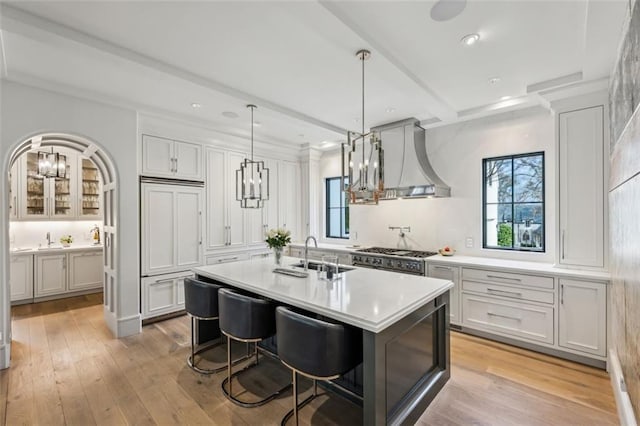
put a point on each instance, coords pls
(34, 233)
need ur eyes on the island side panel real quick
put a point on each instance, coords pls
(387, 398)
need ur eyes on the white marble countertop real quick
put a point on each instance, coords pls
(366, 298)
(55, 248)
(518, 266)
(328, 246)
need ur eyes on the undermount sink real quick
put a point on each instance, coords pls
(315, 266)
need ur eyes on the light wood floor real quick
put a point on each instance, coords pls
(67, 369)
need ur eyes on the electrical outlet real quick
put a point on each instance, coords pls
(469, 242)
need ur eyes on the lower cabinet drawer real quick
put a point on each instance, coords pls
(226, 258)
(519, 293)
(517, 319)
(472, 274)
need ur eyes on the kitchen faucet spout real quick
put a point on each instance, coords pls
(306, 250)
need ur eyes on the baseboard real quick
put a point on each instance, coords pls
(129, 326)
(623, 402)
(5, 355)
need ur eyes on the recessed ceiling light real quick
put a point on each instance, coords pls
(494, 80)
(470, 39)
(195, 105)
(505, 98)
(390, 110)
(230, 114)
(445, 10)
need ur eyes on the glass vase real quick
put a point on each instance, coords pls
(277, 255)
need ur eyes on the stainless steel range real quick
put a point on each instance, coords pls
(390, 259)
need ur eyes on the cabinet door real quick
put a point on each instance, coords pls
(157, 156)
(179, 288)
(270, 210)
(63, 191)
(188, 161)
(450, 273)
(158, 232)
(216, 202)
(85, 270)
(583, 316)
(582, 187)
(188, 238)
(51, 274)
(235, 214)
(34, 189)
(13, 191)
(89, 190)
(21, 277)
(289, 198)
(158, 295)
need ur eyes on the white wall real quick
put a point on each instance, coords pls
(26, 111)
(456, 153)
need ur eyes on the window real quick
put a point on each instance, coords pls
(337, 213)
(513, 202)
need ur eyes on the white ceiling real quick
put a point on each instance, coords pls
(296, 60)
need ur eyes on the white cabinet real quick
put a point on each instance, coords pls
(581, 187)
(167, 158)
(51, 274)
(13, 191)
(163, 294)
(225, 218)
(289, 198)
(85, 270)
(270, 209)
(89, 190)
(172, 230)
(451, 273)
(21, 277)
(582, 316)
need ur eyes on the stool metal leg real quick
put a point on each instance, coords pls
(297, 407)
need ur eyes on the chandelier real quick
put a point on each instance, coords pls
(52, 165)
(363, 159)
(252, 179)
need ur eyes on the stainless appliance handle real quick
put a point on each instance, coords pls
(200, 227)
(492, 314)
(493, 290)
(562, 294)
(562, 244)
(227, 259)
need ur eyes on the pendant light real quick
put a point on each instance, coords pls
(252, 179)
(363, 152)
(52, 165)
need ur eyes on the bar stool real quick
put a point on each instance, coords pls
(245, 319)
(317, 349)
(201, 303)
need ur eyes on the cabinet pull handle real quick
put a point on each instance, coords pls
(562, 244)
(493, 290)
(445, 268)
(227, 259)
(15, 203)
(504, 278)
(562, 294)
(166, 280)
(200, 227)
(492, 314)
(229, 235)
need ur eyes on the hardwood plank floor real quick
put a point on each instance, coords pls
(67, 369)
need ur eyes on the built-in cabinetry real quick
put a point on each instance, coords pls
(451, 273)
(55, 273)
(21, 277)
(581, 187)
(583, 316)
(76, 196)
(290, 202)
(172, 159)
(163, 294)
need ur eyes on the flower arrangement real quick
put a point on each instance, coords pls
(278, 238)
(66, 239)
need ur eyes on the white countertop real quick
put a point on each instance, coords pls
(518, 266)
(329, 246)
(366, 298)
(55, 249)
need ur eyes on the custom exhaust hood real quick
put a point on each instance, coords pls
(407, 170)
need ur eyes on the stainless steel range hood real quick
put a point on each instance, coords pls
(407, 170)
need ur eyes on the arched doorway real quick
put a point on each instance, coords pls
(102, 160)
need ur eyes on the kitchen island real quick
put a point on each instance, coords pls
(404, 318)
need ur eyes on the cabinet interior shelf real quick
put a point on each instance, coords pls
(90, 180)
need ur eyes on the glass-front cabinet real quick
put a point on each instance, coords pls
(89, 190)
(35, 189)
(13, 192)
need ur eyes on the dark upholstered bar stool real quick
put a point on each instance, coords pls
(201, 303)
(245, 319)
(316, 349)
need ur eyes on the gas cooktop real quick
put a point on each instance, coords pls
(397, 252)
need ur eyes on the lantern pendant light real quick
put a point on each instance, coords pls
(252, 179)
(52, 165)
(363, 152)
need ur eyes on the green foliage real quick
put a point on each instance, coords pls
(505, 235)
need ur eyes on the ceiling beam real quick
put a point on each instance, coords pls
(24, 23)
(437, 106)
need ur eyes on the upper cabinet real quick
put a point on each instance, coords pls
(167, 158)
(76, 196)
(581, 187)
(13, 191)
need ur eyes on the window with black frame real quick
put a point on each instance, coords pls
(337, 209)
(513, 202)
